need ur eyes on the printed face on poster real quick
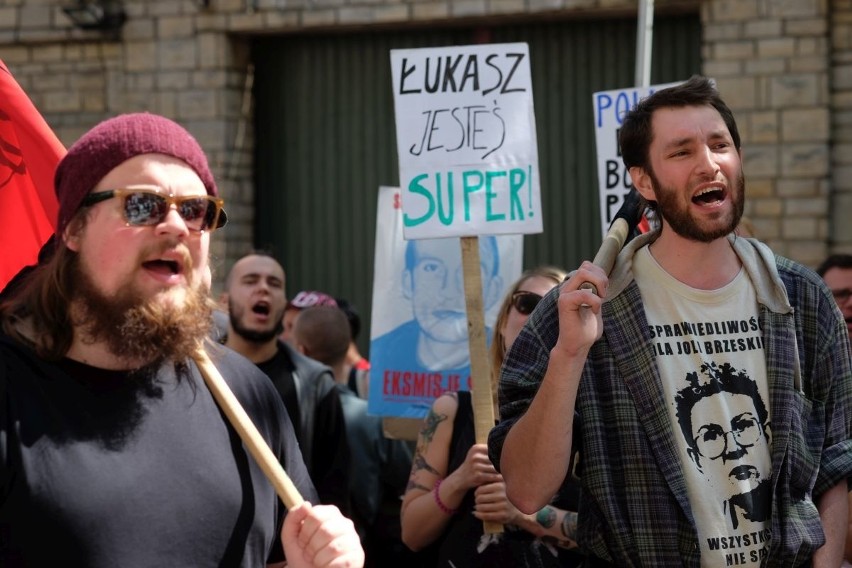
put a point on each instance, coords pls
(419, 334)
(466, 139)
(613, 178)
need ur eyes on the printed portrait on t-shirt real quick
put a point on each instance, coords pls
(725, 424)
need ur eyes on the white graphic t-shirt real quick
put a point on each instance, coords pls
(709, 350)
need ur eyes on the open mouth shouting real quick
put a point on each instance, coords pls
(262, 310)
(169, 268)
(710, 195)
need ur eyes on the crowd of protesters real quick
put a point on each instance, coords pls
(693, 407)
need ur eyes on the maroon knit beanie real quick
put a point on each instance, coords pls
(114, 141)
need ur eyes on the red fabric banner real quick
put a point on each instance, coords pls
(29, 153)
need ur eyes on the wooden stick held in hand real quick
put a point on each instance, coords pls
(626, 219)
(247, 431)
(480, 372)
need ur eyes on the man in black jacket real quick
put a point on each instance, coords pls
(257, 299)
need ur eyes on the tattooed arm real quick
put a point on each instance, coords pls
(422, 521)
(553, 524)
(550, 523)
(422, 518)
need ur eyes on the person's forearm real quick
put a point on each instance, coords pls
(423, 520)
(833, 511)
(553, 523)
(537, 450)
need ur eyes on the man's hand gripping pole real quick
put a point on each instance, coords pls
(626, 219)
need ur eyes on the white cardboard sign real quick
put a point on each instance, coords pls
(465, 129)
(613, 178)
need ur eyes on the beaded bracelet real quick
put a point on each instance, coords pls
(438, 502)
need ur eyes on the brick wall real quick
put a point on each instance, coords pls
(772, 62)
(785, 67)
(840, 188)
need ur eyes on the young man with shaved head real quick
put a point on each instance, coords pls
(257, 299)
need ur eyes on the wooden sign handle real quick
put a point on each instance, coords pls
(483, 403)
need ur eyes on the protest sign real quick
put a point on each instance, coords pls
(419, 325)
(466, 141)
(613, 178)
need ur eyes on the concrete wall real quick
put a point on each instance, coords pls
(784, 66)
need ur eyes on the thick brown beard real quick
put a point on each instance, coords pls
(142, 332)
(682, 223)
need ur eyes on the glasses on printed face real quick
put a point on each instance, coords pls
(525, 302)
(712, 439)
(148, 207)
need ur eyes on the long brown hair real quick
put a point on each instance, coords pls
(498, 352)
(41, 302)
(37, 312)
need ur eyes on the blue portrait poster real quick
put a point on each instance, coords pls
(419, 332)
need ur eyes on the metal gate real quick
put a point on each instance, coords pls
(325, 138)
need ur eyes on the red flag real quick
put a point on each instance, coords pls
(29, 153)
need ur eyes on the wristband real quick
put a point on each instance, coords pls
(446, 510)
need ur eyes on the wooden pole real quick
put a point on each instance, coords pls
(481, 395)
(247, 431)
(610, 247)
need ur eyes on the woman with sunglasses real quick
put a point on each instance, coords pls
(453, 486)
(516, 308)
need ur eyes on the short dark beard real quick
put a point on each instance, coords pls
(141, 333)
(253, 335)
(683, 224)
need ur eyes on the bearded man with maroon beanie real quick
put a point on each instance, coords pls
(112, 450)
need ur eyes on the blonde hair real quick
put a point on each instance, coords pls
(498, 351)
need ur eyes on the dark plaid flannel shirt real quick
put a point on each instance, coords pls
(634, 509)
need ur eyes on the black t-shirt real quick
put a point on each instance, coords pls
(101, 468)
